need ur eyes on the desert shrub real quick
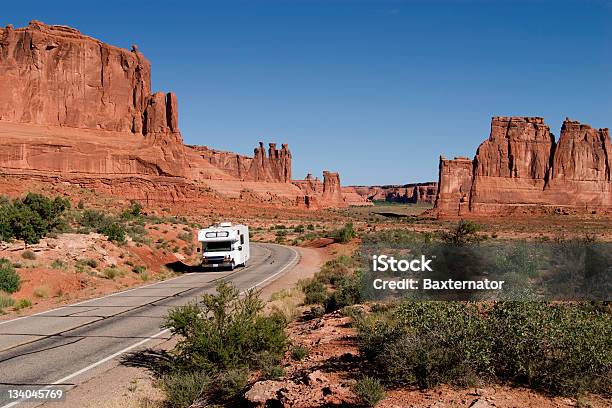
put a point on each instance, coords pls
(42, 291)
(9, 279)
(23, 303)
(92, 263)
(139, 269)
(310, 227)
(227, 331)
(315, 292)
(348, 292)
(463, 233)
(115, 232)
(133, 211)
(298, 353)
(186, 236)
(333, 271)
(31, 218)
(344, 234)
(27, 254)
(563, 349)
(6, 300)
(566, 349)
(299, 229)
(369, 390)
(58, 264)
(183, 388)
(112, 272)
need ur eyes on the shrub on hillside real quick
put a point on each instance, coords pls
(9, 279)
(31, 218)
(344, 234)
(564, 349)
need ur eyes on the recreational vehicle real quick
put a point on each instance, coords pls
(224, 245)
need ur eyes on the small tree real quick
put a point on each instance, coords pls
(9, 280)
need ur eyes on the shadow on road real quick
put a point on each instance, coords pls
(179, 266)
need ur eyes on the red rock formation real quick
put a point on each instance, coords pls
(276, 166)
(75, 109)
(407, 193)
(54, 75)
(454, 185)
(521, 169)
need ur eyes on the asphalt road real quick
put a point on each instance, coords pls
(57, 348)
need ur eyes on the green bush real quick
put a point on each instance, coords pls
(563, 349)
(298, 353)
(31, 218)
(315, 292)
(183, 388)
(27, 254)
(112, 273)
(369, 390)
(463, 233)
(227, 331)
(9, 279)
(344, 234)
(58, 264)
(348, 292)
(23, 303)
(115, 232)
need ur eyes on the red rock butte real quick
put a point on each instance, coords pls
(521, 169)
(77, 110)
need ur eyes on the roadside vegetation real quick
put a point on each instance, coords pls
(559, 348)
(221, 340)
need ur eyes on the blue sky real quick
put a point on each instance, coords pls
(376, 90)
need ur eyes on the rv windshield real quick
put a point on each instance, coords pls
(218, 246)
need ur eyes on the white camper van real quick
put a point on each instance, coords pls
(224, 245)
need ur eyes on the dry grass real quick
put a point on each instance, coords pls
(286, 303)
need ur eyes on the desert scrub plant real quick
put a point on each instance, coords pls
(58, 264)
(6, 300)
(560, 348)
(42, 291)
(315, 292)
(139, 269)
(344, 234)
(298, 353)
(31, 218)
(23, 303)
(112, 273)
(225, 331)
(9, 279)
(183, 388)
(463, 233)
(369, 390)
(27, 254)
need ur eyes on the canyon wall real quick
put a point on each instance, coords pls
(422, 193)
(520, 169)
(74, 109)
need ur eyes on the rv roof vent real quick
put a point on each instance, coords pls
(225, 224)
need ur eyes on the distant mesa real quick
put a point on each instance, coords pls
(521, 169)
(75, 109)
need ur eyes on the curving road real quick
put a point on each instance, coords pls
(59, 347)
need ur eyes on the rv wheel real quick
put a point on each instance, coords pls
(232, 266)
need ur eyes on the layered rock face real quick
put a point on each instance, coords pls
(75, 109)
(421, 193)
(54, 75)
(520, 169)
(327, 193)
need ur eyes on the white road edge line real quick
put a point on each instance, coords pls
(295, 260)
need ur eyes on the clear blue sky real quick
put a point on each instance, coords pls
(376, 90)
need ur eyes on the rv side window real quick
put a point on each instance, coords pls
(241, 239)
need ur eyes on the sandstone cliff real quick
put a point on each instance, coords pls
(421, 193)
(521, 169)
(75, 109)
